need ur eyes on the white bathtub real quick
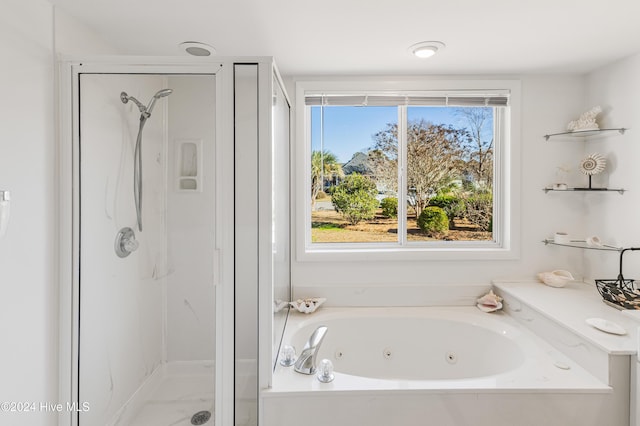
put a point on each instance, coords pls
(418, 345)
(451, 365)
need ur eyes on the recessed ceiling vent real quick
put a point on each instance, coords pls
(195, 48)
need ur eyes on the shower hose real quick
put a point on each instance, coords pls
(137, 172)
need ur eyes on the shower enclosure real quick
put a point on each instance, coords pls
(168, 235)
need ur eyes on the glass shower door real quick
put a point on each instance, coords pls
(147, 321)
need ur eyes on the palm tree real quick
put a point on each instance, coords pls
(324, 165)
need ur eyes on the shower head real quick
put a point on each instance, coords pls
(159, 94)
(126, 98)
(145, 110)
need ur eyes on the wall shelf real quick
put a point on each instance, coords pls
(618, 190)
(586, 133)
(582, 245)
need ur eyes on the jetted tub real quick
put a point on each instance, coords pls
(430, 366)
(429, 346)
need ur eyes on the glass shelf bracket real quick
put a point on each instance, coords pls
(618, 190)
(582, 245)
(586, 133)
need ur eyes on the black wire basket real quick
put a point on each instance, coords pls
(621, 293)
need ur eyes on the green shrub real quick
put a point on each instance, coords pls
(434, 222)
(479, 210)
(355, 198)
(453, 206)
(389, 207)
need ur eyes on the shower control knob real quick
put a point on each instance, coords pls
(126, 242)
(131, 245)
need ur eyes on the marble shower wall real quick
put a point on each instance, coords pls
(190, 286)
(121, 299)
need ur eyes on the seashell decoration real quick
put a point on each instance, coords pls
(593, 164)
(558, 278)
(490, 302)
(586, 121)
(308, 305)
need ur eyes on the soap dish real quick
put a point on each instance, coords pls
(606, 326)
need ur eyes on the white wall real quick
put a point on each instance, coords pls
(28, 306)
(190, 223)
(616, 88)
(73, 37)
(548, 103)
(28, 261)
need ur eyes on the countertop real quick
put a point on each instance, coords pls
(635, 314)
(571, 305)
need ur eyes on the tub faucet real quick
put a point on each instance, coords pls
(306, 363)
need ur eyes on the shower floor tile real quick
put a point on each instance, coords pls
(184, 388)
(171, 413)
(176, 400)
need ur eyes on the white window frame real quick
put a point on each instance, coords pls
(506, 179)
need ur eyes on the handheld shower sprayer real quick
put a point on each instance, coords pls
(145, 113)
(160, 94)
(145, 110)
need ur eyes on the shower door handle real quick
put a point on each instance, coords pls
(5, 205)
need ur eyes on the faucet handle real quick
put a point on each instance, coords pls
(325, 371)
(287, 356)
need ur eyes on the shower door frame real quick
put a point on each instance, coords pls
(69, 70)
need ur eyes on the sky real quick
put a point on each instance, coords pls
(348, 130)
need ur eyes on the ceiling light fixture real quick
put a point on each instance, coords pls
(426, 49)
(196, 48)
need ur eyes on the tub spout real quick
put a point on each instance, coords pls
(306, 363)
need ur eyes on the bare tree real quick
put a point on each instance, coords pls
(433, 157)
(384, 170)
(479, 146)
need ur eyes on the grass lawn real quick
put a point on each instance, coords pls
(328, 226)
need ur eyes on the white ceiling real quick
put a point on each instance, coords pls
(371, 37)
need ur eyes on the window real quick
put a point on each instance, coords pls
(407, 170)
(350, 179)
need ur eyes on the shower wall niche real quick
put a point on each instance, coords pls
(188, 167)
